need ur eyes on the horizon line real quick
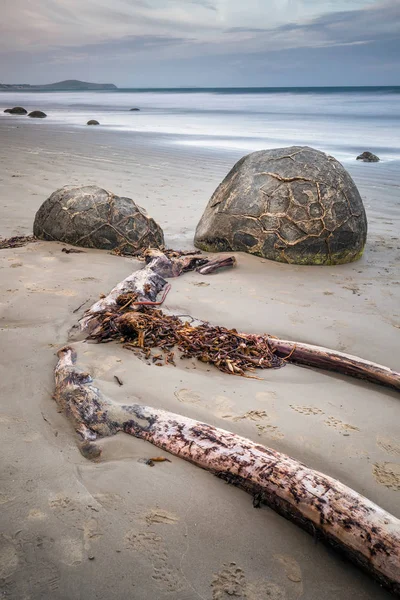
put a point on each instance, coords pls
(209, 87)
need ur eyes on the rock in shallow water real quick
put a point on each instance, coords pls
(37, 114)
(95, 218)
(92, 122)
(294, 205)
(17, 110)
(368, 157)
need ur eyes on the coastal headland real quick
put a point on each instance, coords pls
(68, 85)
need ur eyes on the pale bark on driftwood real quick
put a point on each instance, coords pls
(149, 281)
(367, 534)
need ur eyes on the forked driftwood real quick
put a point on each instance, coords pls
(367, 534)
(147, 282)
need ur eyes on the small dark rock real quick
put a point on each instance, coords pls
(17, 110)
(368, 157)
(92, 122)
(135, 109)
(37, 114)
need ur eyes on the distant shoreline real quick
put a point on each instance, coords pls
(109, 87)
(69, 85)
(75, 85)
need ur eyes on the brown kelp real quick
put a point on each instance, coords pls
(150, 328)
(17, 241)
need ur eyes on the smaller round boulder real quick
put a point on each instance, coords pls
(37, 114)
(91, 217)
(92, 122)
(368, 157)
(135, 109)
(17, 110)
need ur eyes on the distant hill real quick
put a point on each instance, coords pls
(69, 85)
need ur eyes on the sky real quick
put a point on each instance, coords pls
(201, 43)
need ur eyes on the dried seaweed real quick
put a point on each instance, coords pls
(72, 251)
(141, 254)
(17, 241)
(231, 352)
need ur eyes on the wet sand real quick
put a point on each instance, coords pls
(74, 529)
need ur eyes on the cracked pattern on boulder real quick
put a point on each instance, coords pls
(294, 205)
(95, 218)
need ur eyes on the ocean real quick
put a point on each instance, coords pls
(340, 121)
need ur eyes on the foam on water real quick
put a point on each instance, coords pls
(340, 121)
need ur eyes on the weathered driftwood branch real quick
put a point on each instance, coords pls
(367, 534)
(331, 360)
(146, 283)
(150, 280)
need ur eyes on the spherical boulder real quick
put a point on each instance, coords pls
(95, 218)
(37, 114)
(294, 205)
(368, 157)
(92, 122)
(17, 110)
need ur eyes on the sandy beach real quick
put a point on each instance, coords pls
(73, 529)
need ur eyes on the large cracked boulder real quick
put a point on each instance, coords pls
(294, 205)
(94, 218)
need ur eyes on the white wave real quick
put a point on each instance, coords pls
(340, 123)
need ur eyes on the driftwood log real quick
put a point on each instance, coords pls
(149, 281)
(331, 360)
(367, 534)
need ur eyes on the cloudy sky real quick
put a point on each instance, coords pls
(169, 43)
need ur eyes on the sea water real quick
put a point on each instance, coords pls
(340, 121)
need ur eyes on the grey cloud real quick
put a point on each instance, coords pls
(170, 46)
(72, 22)
(136, 43)
(380, 22)
(353, 25)
(375, 63)
(245, 30)
(205, 3)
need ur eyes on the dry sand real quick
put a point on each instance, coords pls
(71, 529)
